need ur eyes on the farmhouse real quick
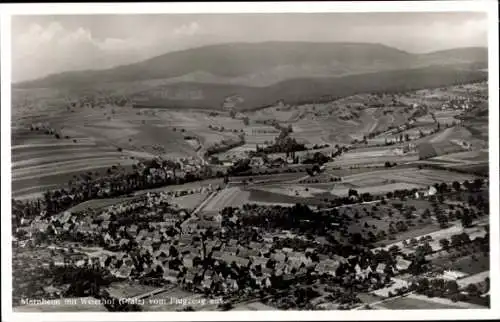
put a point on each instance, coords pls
(170, 275)
(257, 162)
(432, 191)
(227, 163)
(402, 264)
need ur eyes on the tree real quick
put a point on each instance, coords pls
(456, 185)
(466, 220)
(394, 250)
(442, 220)
(487, 284)
(452, 287)
(473, 290)
(477, 184)
(426, 248)
(445, 243)
(443, 187)
(352, 192)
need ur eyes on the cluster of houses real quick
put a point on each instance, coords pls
(169, 244)
(461, 103)
(180, 259)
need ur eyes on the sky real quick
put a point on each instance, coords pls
(43, 45)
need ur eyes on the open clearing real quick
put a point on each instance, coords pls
(298, 191)
(229, 197)
(473, 279)
(99, 203)
(470, 264)
(478, 155)
(190, 201)
(413, 303)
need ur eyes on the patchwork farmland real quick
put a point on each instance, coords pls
(190, 181)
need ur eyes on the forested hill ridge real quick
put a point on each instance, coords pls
(263, 64)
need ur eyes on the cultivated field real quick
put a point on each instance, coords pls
(373, 157)
(296, 190)
(40, 161)
(473, 279)
(190, 201)
(229, 197)
(415, 302)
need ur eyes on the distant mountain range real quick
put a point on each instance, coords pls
(273, 70)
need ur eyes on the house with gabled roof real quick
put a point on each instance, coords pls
(171, 275)
(217, 255)
(278, 257)
(58, 260)
(133, 230)
(401, 263)
(232, 242)
(232, 250)
(267, 271)
(258, 260)
(232, 284)
(156, 237)
(185, 240)
(244, 252)
(84, 228)
(208, 224)
(67, 226)
(160, 255)
(81, 263)
(207, 283)
(124, 271)
(123, 242)
(327, 267)
(187, 260)
(310, 250)
(52, 291)
(104, 216)
(295, 262)
(147, 245)
(189, 277)
(105, 225)
(65, 217)
(255, 245)
(107, 238)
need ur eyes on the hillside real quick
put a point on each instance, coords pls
(261, 64)
(296, 91)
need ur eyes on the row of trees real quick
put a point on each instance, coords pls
(115, 182)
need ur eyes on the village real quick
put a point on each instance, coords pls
(233, 253)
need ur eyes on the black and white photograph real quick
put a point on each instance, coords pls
(218, 161)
